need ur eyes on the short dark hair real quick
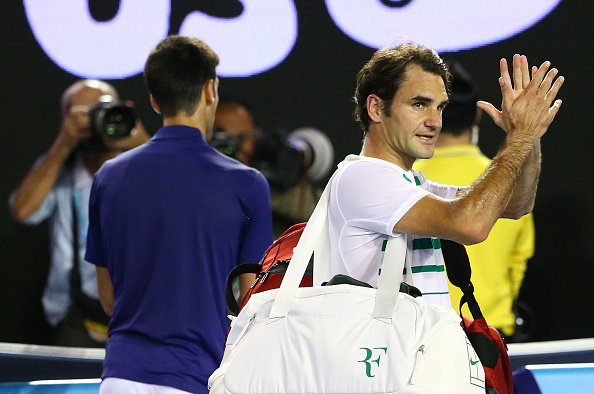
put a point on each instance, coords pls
(460, 114)
(175, 72)
(385, 71)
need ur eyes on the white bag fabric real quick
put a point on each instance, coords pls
(345, 338)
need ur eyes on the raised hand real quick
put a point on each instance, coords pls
(75, 126)
(527, 103)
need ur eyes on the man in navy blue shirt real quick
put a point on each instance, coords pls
(167, 223)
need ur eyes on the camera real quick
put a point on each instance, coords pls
(109, 119)
(112, 119)
(284, 157)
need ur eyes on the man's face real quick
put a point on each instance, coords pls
(236, 121)
(411, 129)
(82, 99)
(75, 112)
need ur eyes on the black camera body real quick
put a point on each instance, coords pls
(284, 157)
(112, 119)
(109, 119)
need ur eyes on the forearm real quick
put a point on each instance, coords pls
(39, 181)
(524, 194)
(480, 205)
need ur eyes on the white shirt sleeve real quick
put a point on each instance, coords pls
(443, 191)
(374, 197)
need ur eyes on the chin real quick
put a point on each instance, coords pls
(426, 154)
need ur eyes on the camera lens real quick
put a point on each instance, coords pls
(118, 122)
(112, 119)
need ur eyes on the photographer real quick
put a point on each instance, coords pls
(292, 162)
(57, 188)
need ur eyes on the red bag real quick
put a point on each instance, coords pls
(271, 269)
(492, 352)
(485, 339)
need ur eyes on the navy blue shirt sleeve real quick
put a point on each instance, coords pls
(258, 236)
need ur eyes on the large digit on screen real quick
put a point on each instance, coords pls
(446, 26)
(90, 49)
(256, 41)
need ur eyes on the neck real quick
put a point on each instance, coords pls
(448, 139)
(372, 149)
(195, 121)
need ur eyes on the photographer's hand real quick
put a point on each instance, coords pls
(76, 126)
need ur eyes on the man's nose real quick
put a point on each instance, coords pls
(433, 119)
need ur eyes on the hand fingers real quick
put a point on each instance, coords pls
(552, 93)
(525, 72)
(504, 71)
(534, 70)
(554, 109)
(518, 77)
(493, 112)
(539, 76)
(547, 82)
(79, 108)
(507, 95)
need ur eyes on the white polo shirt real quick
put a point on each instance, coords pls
(367, 199)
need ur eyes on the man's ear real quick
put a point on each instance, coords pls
(210, 91)
(478, 116)
(375, 108)
(155, 106)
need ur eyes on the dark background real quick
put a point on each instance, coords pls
(313, 87)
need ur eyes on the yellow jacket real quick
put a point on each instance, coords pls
(498, 264)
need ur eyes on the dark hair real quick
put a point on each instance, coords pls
(384, 73)
(460, 114)
(175, 72)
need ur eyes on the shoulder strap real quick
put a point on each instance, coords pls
(459, 273)
(247, 268)
(315, 235)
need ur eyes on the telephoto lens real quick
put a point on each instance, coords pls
(112, 119)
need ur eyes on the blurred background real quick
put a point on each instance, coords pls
(295, 63)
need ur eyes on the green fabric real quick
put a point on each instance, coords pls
(426, 243)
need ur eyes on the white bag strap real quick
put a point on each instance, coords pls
(315, 236)
(389, 281)
(317, 223)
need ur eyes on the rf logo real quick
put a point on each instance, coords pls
(369, 353)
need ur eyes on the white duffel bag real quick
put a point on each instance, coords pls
(345, 338)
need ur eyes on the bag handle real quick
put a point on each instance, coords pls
(388, 287)
(315, 236)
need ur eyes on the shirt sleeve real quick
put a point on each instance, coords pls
(94, 252)
(258, 235)
(375, 197)
(443, 191)
(48, 205)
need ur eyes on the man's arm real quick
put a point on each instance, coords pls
(469, 217)
(39, 181)
(524, 194)
(105, 288)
